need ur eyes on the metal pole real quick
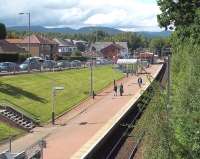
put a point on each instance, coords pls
(29, 32)
(91, 78)
(29, 37)
(10, 144)
(53, 105)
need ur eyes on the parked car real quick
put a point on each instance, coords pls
(76, 63)
(9, 67)
(63, 64)
(49, 64)
(30, 63)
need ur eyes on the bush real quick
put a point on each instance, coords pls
(18, 58)
(2, 31)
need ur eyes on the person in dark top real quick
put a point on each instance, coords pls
(115, 90)
(121, 90)
(139, 81)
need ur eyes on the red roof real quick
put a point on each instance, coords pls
(37, 39)
(146, 55)
(112, 45)
(14, 41)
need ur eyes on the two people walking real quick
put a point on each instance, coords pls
(120, 88)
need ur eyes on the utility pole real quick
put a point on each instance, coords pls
(92, 93)
(29, 35)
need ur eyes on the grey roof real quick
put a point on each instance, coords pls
(101, 45)
(64, 42)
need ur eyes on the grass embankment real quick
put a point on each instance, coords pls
(6, 131)
(33, 92)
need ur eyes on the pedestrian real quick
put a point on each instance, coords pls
(127, 74)
(114, 82)
(139, 81)
(115, 90)
(121, 89)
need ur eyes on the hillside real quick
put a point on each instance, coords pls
(68, 30)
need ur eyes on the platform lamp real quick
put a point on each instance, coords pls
(54, 89)
(29, 34)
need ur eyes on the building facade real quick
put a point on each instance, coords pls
(65, 47)
(40, 46)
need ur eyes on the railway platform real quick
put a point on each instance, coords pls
(80, 130)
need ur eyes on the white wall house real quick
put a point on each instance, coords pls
(65, 48)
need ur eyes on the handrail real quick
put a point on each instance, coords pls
(20, 110)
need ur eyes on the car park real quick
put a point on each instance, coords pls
(9, 67)
(76, 63)
(63, 64)
(49, 64)
(30, 64)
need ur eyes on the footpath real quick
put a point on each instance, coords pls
(79, 130)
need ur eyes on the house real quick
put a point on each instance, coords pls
(40, 46)
(111, 50)
(14, 41)
(65, 47)
(9, 48)
(9, 51)
(146, 56)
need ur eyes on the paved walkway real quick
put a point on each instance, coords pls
(80, 129)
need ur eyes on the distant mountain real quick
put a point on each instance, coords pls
(85, 30)
(65, 30)
(105, 29)
(42, 29)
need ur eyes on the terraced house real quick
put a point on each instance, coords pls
(65, 47)
(40, 46)
(9, 51)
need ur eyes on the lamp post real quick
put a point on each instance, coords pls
(54, 89)
(91, 70)
(29, 34)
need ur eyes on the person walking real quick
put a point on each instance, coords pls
(121, 89)
(115, 90)
(139, 81)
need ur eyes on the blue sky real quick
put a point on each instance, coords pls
(134, 15)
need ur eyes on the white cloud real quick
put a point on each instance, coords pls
(128, 14)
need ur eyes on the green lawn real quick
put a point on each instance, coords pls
(6, 131)
(33, 92)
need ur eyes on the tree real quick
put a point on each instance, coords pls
(181, 15)
(184, 17)
(2, 31)
(80, 46)
(76, 53)
(157, 44)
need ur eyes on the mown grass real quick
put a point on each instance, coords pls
(6, 131)
(33, 92)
